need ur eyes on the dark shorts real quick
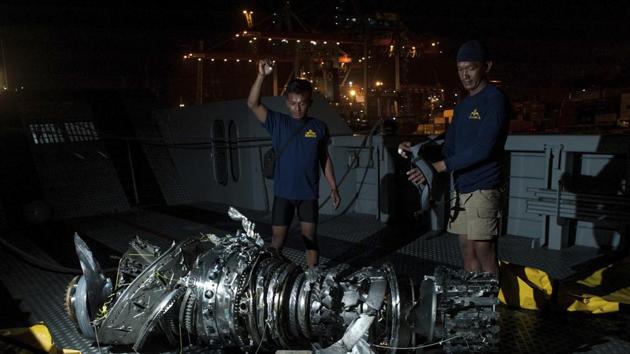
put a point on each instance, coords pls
(283, 210)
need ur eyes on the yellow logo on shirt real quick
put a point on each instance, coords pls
(310, 134)
(474, 114)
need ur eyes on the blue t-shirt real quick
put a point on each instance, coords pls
(474, 142)
(297, 168)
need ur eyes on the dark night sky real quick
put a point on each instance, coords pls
(76, 44)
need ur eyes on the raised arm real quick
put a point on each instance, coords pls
(265, 67)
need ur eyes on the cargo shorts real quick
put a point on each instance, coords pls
(477, 214)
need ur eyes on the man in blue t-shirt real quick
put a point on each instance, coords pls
(473, 152)
(296, 177)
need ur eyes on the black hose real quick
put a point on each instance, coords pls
(44, 265)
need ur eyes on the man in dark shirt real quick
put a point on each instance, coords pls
(296, 177)
(473, 152)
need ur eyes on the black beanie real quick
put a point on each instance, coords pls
(472, 51)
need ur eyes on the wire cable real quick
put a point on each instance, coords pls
(366, 143)
(420, 346)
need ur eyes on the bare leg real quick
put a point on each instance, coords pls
(310, 243)
(467, 247)
(278, 235)
(486, 252)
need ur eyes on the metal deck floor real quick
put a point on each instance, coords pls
(352, 240)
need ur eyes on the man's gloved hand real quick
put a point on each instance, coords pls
(265, 67)
(415, 176)
(404, 149)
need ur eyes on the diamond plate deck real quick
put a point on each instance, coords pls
(41, 296)
(521, 331)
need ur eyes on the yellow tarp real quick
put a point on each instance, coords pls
(36, 337)
(600, 292)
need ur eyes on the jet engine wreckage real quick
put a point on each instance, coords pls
(229, 292)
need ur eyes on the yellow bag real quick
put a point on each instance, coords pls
(36, 337)
(524, 287)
